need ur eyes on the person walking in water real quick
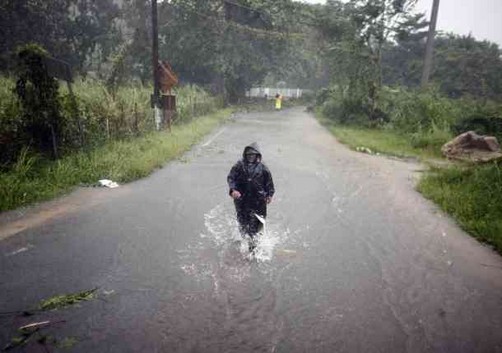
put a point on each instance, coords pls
(252, 188)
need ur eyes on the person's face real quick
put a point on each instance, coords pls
(251, 157)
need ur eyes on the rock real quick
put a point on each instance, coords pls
(492, 143)
(472, 147)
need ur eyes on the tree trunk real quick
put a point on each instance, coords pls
(429, 48)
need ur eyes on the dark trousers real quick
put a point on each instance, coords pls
(246, 210)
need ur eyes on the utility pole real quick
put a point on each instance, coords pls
(155, 63)
(429, 47)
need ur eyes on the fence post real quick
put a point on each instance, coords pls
(136, 123)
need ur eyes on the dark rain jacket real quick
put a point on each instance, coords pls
(252, 180)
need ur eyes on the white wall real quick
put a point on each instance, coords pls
(261, 92)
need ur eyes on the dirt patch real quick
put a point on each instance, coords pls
(17, 221)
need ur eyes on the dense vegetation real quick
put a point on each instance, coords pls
(100, 117)
(375, 51)
(376, 61)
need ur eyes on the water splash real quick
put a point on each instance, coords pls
(222, 228)
(222, 252)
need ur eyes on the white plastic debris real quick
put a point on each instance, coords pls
(108, 183)
(21, 250)
(364, 150)
(264, 222)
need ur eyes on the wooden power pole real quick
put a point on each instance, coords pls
(155, 56)
(429, 47)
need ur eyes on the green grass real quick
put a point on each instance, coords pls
(472, 195)
(32, 179)
(65, 300)
(387, 142)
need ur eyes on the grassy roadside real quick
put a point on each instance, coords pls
(379, 141)
(472, 195)
(32, 180)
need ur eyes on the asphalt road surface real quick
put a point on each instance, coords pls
(353, 260)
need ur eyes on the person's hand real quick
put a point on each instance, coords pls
(269, 199)
(235, 194)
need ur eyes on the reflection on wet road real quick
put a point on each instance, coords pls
(353, 259)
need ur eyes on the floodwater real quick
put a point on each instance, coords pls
(353, 259)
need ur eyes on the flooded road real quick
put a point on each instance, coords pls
(353, 260)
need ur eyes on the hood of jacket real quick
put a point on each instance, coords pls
(253, 147)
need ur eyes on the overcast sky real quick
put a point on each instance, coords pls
(482, 18)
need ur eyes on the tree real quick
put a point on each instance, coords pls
(38, 95)
(37, 21)
(402, 59)
(70, 30)
(134, 56)
(357, 33)
(93, 32)
(300, 63)
(465, 66)
(204, 47)
(375, 21)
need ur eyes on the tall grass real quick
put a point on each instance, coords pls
(126, 111)
(32, 179)
(426, 117)
(473, 196)
(103, 115)
(378, 141)
(413, 111)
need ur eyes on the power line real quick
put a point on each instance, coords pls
(235, 25)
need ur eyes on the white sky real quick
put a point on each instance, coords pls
(482, 18)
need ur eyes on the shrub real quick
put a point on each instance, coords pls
(10, 143)
(485, 119)
(323, 95)
(413, 111)
(433, 138)
(344, 109)
(38, 95)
